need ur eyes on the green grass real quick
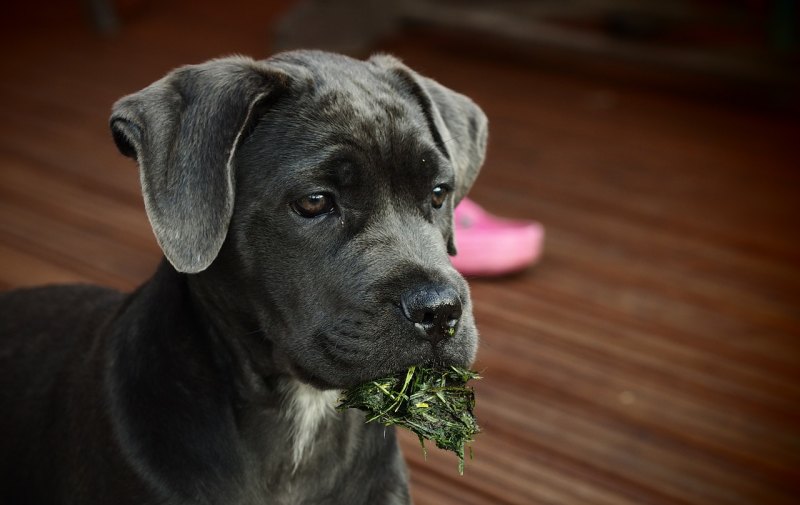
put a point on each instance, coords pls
(434, 404)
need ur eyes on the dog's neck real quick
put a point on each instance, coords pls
(229, 323)
(245, 357)
(266, 436)
(304, 407)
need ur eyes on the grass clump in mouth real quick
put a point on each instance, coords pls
(434, 404)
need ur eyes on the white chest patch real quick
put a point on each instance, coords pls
(306, 409)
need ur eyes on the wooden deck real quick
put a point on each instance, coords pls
(653, 356)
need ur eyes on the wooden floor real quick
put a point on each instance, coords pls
(653, 356)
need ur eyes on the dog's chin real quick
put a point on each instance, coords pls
(401, 371)
(327, 376)
(315, 380)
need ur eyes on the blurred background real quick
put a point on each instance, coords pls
(652, 356)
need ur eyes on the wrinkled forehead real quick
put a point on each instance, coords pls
(362, 113)
(368, 108)
(352, 121)
(338, 82)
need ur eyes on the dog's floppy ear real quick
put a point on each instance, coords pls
(183, 131)
(459, 127)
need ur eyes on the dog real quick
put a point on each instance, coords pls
(304, 206)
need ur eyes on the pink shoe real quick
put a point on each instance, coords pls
(490, 246)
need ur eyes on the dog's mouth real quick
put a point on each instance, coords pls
(312, 378)
(334, 364)
(345, 348)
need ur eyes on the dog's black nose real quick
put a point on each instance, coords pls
(434, 309)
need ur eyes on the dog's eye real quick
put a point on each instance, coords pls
(314, 205)
(438, 196)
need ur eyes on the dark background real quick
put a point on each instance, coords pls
(651, 357)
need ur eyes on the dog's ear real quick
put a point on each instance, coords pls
(183, 131)
(459, 127)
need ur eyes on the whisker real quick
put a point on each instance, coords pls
(451, 139)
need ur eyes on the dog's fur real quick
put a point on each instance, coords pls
(215, 381)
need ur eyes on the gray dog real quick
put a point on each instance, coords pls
(304, 205)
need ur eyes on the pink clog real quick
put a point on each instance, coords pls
(491, 246)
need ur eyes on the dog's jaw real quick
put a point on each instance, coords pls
(307, 408)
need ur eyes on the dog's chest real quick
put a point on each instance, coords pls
(326, 457)
(307, 411)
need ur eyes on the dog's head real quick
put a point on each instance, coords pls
(322, 188)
